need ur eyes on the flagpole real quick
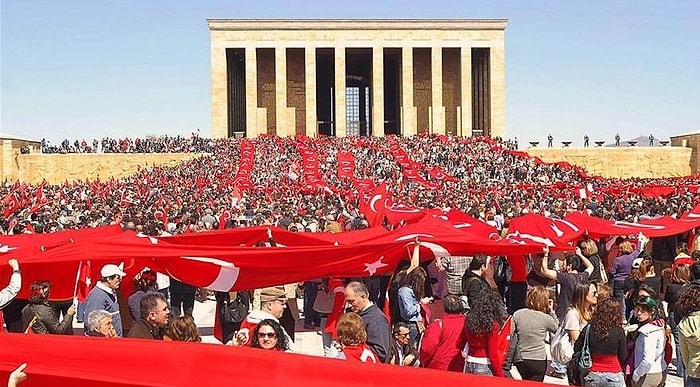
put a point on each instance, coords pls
(77, 279)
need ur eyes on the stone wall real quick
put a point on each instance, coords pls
(57, 168)
(622, 162)
(691, 141)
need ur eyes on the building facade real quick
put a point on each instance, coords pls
(357, 77)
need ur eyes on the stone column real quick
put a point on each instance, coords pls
(408, 111)
(377, 91)
(437, 124)
(465, 128)
(310, 84)
(219, 90)
(498, 89)
(281, 124)
(340, 115)
(251, 92)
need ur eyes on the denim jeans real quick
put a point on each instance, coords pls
(413, 334)
(604, 379)
(478, 369)
(680, 369)
(692, 382)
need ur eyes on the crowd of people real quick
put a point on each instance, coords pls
(488, 179)
(601, 303)
(159, 144)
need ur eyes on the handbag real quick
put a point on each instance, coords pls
(234, 311)
(561, 346)
(324, 302)
(585, 362)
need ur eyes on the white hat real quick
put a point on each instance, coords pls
(637, 263)
(110, 270)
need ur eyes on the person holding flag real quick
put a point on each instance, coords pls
(43, 318)
(10, 291)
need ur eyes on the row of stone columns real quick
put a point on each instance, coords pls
(285, 120)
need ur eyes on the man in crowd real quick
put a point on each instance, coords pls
(273, 302)
(402, 352)
(473, 281)
(376, 323)
(104, 295)
(100, 324)
(568, 277)
(454, 268)
(155, 313)
(10, 292)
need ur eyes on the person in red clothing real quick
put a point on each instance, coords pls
(352, 337)
(607, 345)
(483, 323)
(443, 340)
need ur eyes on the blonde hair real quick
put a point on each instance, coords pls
(626, 247)
(589, 247)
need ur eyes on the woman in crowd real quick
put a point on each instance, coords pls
(43, 318)
(642, 274)
(607, 346)
(444, 339)
(144, 283)
(580, 311)
(649, 343)
(590, 250)
(648, 291)
(484, 320)
(182, 329)
(411, 296)
(532, 326)
(269, 334)
(680, 276)
(620, 272)
(352, 337)
(689, 333)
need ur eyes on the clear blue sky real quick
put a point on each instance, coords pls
(84, 69)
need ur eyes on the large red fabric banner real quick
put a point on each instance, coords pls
(27, 246)
(242, 179)
(83, 361)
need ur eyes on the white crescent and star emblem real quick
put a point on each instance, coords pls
(372, 267)
(228, 273)
(374, 200)
(7, 248)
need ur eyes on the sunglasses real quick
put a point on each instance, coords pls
(269, 335)
(403, 334)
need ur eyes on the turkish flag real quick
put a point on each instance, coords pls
(11, 203)
(84, 281)
(375, 208)
(51, 365)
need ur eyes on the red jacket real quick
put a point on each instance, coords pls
(441, 348)
(487, 347)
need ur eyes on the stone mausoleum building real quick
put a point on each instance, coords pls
(357, 77)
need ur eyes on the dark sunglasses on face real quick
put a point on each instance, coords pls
(269, 335)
